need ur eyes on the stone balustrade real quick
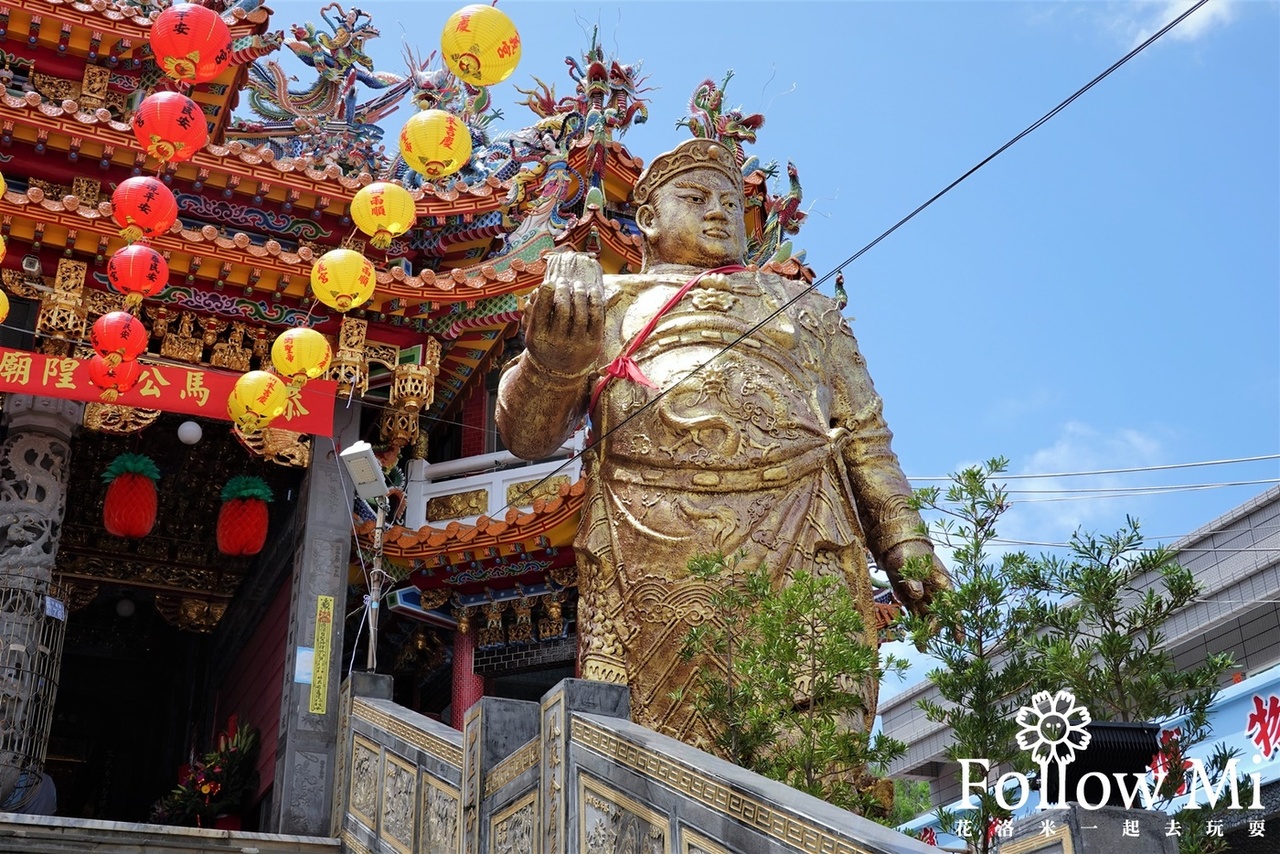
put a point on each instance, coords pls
(569, 774)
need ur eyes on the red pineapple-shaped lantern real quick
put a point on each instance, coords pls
(138, 272)
(191, 43)
(242, 521)
(170, 127)
(113, 379)
(129, 509)
(143, 207)
(118, 337)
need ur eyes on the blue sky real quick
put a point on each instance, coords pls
(1106, 294)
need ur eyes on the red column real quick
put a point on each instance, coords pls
(468, 688)
(475, 423)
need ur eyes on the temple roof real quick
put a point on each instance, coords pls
(551, 522)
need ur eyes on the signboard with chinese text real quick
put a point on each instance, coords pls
(189, 390)
(319, 699)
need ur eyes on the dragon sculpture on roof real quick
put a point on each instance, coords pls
(780, 212)
(325, 122)
(340, 62)
(607, 101)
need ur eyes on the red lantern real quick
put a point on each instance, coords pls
(191, 43)
(113, 379)
(118, 337)
(143, 207)
(129, 508)
(242, 521)
(170, 126)
(138, 272)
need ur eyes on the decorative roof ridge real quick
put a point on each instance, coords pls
(490, 188)
(790, 269)
(516, 525)
(592, 215)
(112, 10)
(122, 12)
(205, 234)
(517, 273)
(615, 147)
(476, 276)
(70, 203)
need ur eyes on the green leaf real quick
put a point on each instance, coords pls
(131, 464)
(246, 486)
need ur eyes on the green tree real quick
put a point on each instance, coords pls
(910, 799)
(1103, 639)
(780, 675)
(977, 630)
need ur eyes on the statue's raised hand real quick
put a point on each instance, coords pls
(565, 318)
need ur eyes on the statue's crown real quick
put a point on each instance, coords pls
(691, 154)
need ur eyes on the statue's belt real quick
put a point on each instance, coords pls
(692, 479)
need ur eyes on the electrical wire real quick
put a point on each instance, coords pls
(364, 611)
(1199, 549)
(374, 406)
(1136, 469)
(1137, 491)
(1140, 490)
(855, 256)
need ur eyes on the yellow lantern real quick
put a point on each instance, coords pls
(4, 186)
(256, 400)
(4, 306)
(383, 211)
(242, 418)
(4, 247)
(342, 279)
(435, 143)
(301, 354)
(480, 45)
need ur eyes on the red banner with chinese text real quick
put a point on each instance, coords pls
(172, 388)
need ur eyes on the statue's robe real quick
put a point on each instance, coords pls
(776, 447)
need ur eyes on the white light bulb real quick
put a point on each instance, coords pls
(189, 432)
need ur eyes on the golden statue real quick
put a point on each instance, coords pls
(774, 445)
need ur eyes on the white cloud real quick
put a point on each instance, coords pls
(1141, 20)
(1043, 512)
(1037, 514)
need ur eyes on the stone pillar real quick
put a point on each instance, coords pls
(306, 755)
(360, 684)
(494, 729)
(468, 688)
(559, 802)
(34, 466)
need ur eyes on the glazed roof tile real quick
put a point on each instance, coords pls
(121, 18)
(248, 161)
(516, 526)
(493, 277)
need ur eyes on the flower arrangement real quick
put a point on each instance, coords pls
(221, 782)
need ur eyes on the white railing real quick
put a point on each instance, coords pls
(493, 473)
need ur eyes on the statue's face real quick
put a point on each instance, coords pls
(696, 219)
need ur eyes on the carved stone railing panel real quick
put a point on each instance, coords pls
(47, 833)
(574, 776)
(400, 779)
(673, 790)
